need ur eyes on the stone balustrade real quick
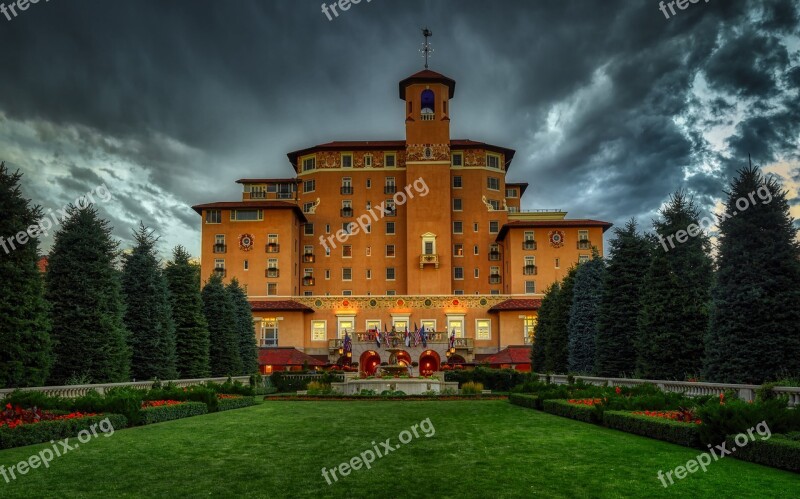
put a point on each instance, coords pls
(75, 391)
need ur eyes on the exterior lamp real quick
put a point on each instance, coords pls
(349, 354)
(341, 350)
(452, 350)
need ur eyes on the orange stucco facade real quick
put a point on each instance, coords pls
(424, 231)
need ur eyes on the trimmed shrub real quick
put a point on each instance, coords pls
(779, 452)
(686, 434)
(290, 382)
(501, 380)
(152, 415)
(226, 404)
(585, 413)
(735, 416)
(30, 434)
(529, 401)
(471, 388)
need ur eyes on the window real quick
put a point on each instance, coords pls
(475, 250)
(530, 287)
(583, 235)
(494, 292)
(373, 325)
(529, 329)
(214, 216)
(428, 247)
(428, 104)
(494, 227)
(327, 251)
(269, 332)
(247, 215)
(458, 291)
(219, 263)
(347, 292)
(369, 185)
(347, 186)
(309, 186)
(272, 289)
(347, 160)
(457, 184)
(457, 204)
(369, 273)
(319, 330)
(494, 275)
(389, 187)
(493, 183)
(347, 227)
(327, 228)
(458, 227)
(347, 274)
(458, 159)
(307, 207)
(494, 252)
(511, 192)
(458, 273)
(308, 229)
(327, 274)
(390, 250)
(246, 265)
(483, 329)
(493, 161)
(368, 229)
(391, 209)
(456, 326)
(390, 292)
(429, 325)
(368, 160)
(583, 258)
(347, 251)
(475, 226)
(390, 274)
(390, 159)
(369, 251)
(477, 273)
(389, 228)
(495, 204)
(458, 249)
(530, 266)
(528, 235)
(558, 263)
(219, 243)
(309, 164)
(308, 293)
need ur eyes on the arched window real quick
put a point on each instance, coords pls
(428, 103)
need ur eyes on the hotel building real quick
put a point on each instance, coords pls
(375, 235)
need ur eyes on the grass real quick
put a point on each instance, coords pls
(480, 449)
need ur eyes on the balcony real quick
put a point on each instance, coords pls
(389, 189)
(346, 189)
(429, 259)
(346, 212)
(220, 248)
(584, 244)
(438, 341)
(309, 258)
(258, 195)
(272, 273)
(273, 248)
(495, 279)
(494, 256)
(529, 270)
(309, 280)
(220, 271)
(529, 244)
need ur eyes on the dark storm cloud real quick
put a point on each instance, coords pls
(608, 104)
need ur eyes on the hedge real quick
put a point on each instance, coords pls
(676, 432)
(778, 452)
(498, 380)
(152, 415)
(529, 401)
(237, 403)
(585, 413)
(45, 431)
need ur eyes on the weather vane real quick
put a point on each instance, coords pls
(426, 49)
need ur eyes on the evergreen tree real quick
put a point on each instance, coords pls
(676, 295)
(221, 317)
(544, 324)
(582, 326)
(621, 302)
(248, 351)
(148, 313)
(84, 289)
(755, 321)
(557, 344)
(191, 328)
(25, 347)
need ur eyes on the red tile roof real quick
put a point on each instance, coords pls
(510, 355)
(530, 224)
(427, 76)
(238, 205)
(286, 356)
(517, 304)
(42, 264)
(279, 306)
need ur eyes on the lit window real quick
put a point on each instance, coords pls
(319, 331)
(483, 329)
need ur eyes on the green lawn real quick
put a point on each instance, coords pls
(480, 449)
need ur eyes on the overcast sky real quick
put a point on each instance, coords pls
(610, 105)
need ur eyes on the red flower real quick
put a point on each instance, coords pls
(618, 390)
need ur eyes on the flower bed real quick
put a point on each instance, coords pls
(159, 403)
(395, 398)
(227, 402)
(580, 412)
(586, 402)
(166, 412)
(683, 416)
(60, 427)
(12, 416)
(666, 429)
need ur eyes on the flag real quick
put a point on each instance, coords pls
(416, 335)
(453, 338)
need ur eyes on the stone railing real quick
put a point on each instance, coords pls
(690, 388)
(74, 391)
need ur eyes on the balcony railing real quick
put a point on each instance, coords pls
(495, 279)
(389, 189)
(529, 244)
(220, 248)
(285, 195)
(346, 212)
(494, 256)
(441, 338)
(429, 259)
(220, 271)
(346, 189)
(584, 244)
(273, 248)
(272, 273)
(309, 258)
(309, 281)
(529, 270)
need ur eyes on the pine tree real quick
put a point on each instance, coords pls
(25, 347)
(221, 317)
(191, 328)
(621, 303)
(755, 322)
(676, 297)
(84, 289)
(148, 313)
(582, 325)
(248, 351)
(557, 345)
(544, 324)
